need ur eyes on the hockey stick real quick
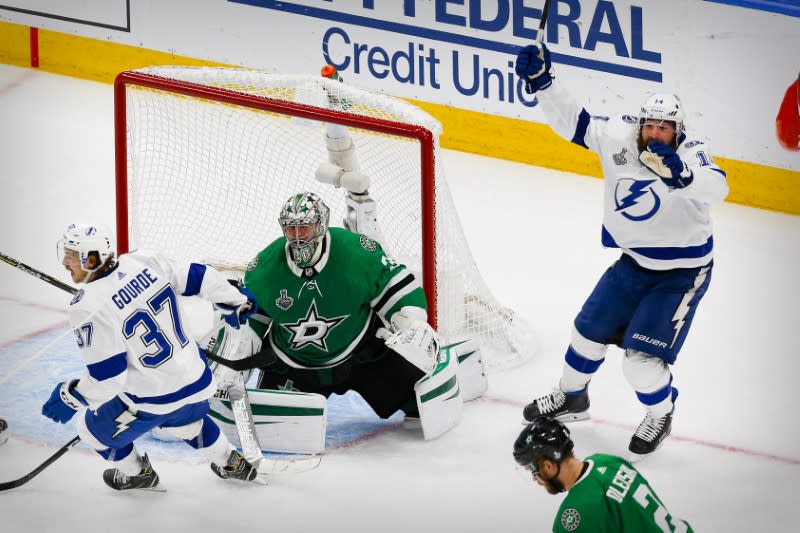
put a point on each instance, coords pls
(38, 274)
(539, 38)
(50, 460)
(245, 426)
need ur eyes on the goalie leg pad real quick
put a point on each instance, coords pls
(285, 421)
(439, 397)
(471, 371)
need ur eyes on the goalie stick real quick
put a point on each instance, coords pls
(241, 409)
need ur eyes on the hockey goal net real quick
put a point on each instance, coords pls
(207, 156)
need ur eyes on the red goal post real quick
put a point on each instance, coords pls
(196, 146)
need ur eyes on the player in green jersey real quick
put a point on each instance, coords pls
(339, 314)
(605, 493)
(328, 292)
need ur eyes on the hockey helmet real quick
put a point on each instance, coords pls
(87, 239)
(663, 107)
(542, 438)
(304, 209)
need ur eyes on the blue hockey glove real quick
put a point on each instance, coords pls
(64, 402)
(533, 65)
(667, 165)
(236, 315)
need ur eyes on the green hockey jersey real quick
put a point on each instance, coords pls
(319, 314)
(613, 497)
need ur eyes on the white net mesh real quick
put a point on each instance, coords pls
(207, 179)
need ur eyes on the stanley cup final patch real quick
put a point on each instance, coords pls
(570, 519)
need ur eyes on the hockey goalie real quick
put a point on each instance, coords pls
(338, 313)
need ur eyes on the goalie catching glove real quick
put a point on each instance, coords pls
(414, 339)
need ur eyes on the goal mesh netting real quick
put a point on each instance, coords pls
(207, 156)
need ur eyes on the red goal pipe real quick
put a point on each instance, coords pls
(423, 135)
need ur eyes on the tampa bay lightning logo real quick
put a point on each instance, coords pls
(635, 199)
(77, 297)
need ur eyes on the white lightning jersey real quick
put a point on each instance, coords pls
(132, 335)
(661, 228)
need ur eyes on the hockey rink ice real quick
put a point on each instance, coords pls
(732, 463)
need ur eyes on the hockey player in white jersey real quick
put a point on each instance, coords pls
(659, 184)
(142, 368)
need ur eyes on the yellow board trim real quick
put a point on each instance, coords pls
(751, 184)
(15, 45)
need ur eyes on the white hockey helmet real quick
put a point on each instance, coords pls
(663, 107)
(304, 209)
(86, 239)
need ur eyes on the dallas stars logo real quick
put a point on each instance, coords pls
(312, 329)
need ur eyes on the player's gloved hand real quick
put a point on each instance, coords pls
(662, 160)
(64, 402)
(533, 65)
(414, 339)
(236, 315)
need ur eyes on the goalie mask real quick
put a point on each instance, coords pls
(86, 240)
(663, 108)
(304, 221)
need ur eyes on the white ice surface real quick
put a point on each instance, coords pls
(732, 464)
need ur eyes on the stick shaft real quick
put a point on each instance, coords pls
(50, 460)
(37, 273)
(543, 20)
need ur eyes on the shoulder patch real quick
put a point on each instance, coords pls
(629, 119)
(600, 117)
(77, 297)
(692, 143)
(570, 519)
(367, 243)
(252, 264)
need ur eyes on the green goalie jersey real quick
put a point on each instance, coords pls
(613, 497)
(319, 314)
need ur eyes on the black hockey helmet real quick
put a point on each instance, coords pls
(543, 437)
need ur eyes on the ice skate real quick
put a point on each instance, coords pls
(237, 468)
(147, 479)
(649, 436)
(564, 407)
(3, 428)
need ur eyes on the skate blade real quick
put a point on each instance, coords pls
(569, 417)
(158, 488)
(573, 417)
(267, 466)
(637, 457)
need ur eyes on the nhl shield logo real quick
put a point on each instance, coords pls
(619, 159)
(368, 244)
(570, 519)
(284, 301)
